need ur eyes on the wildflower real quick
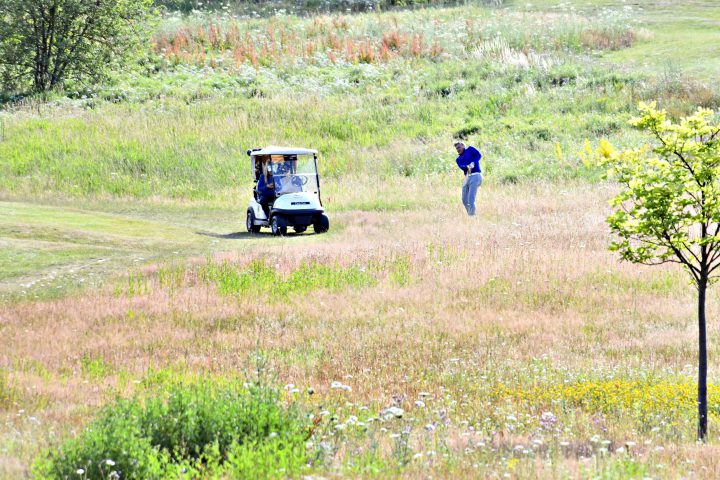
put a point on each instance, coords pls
(336, 384)
(79, 471)
(295, 390)
(417, 455)
(396, 412)
(548, 420)
(109, 463)
(340, 426)
(419, 404)
(289, 386)
(564, 444)
(424, 394)
(429, 427)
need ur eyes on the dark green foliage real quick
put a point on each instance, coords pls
(45, 43)
(202, 427)
(268, 7)
(465, 132)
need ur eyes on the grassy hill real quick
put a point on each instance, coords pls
(513, 345)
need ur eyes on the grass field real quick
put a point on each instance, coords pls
(413, 341)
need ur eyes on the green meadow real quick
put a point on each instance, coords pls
(145, 334)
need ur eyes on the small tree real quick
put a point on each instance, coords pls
(669, 208)
(46, 42)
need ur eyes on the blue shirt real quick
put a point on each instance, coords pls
(263, 190)
(470, 157)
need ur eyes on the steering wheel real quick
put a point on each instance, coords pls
(299, 181)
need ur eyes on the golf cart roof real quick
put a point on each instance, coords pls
(272, 150)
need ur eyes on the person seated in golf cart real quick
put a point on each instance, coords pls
(265, 188)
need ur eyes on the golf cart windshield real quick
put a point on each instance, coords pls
(294, 173)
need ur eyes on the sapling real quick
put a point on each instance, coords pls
(669, 208)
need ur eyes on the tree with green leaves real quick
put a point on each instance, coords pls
(669, 208)
(44, 43)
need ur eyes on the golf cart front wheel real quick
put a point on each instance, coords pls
(250, 223)
(322, 224)
(276, 226)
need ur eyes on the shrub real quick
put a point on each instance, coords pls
(196, 426)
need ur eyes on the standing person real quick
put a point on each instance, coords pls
(468, 161)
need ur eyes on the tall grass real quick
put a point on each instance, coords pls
(379, 95)
(512, 343)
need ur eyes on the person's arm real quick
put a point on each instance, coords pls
(462, 161)
(473, 156)
(466, 159)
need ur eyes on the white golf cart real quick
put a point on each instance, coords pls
(292, 175)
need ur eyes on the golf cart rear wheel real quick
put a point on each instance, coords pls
(277, 227)
(250, 223)
(321, 224)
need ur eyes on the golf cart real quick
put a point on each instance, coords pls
(291, 177)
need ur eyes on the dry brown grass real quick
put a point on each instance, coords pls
(529, 278)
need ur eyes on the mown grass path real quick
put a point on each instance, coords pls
(49, 249)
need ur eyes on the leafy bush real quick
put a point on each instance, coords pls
(199, 427)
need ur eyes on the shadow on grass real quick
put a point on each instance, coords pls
(242, 235)
(230, 236)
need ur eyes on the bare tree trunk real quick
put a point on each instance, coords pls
(702, 362)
